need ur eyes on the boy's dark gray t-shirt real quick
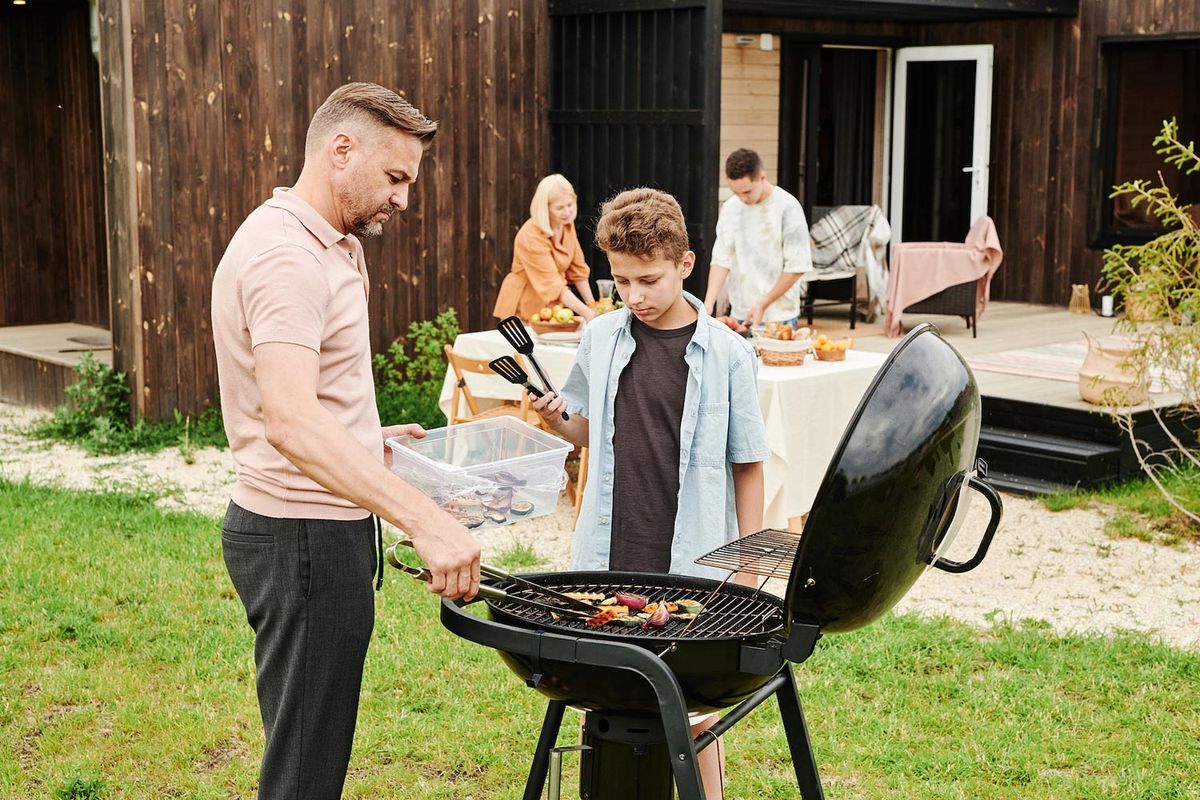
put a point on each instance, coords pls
(647, 415)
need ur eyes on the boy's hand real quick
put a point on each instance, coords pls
(549, 407)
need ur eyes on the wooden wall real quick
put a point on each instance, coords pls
(1043, 187)
(749, 102)
(221, 95)
(52, 255)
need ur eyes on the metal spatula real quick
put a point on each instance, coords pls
(508, 368)
(512, 329)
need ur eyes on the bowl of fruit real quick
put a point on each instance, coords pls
(826, 349)
(552, 319)
(605, 305)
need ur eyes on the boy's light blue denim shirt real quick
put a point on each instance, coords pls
(722, 425)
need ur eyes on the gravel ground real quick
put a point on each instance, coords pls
(1060, 568)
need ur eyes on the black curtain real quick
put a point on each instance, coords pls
(846, 148)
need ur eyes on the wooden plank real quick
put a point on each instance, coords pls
(29, 382)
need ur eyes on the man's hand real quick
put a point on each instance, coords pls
(755, 315)
(390, 431)
(451, 555)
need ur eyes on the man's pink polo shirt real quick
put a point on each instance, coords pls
(289, 276)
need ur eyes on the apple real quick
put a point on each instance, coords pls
(535, 319)
(564, 315)
(546, 313)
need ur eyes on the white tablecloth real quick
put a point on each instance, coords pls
(805, 410)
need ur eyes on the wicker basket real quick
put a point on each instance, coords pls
(830, 355)
(781, 358)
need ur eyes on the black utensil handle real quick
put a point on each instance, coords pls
(542, 374)
(536, 392)
(985, 489)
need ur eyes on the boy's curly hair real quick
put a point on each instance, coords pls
(645, 223)
(743, 163)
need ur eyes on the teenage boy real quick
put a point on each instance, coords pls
(677, 447)
(762, 246)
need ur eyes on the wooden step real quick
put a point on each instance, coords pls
(1041, 463)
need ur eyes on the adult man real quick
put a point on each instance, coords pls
(289, 312)
(762, 246)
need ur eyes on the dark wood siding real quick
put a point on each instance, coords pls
(33, 382)
(222, 93)
(1044, 186)
(52, 256)
(634, 102)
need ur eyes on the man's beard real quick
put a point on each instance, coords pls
(362, 220)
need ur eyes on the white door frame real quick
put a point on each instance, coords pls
(980, 164)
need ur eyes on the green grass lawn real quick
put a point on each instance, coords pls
(1139, 510)
(126, 672)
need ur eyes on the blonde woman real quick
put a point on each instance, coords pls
(547, 258)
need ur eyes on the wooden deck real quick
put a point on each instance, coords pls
(1037, 434)
(37, 361)
(1004, 326)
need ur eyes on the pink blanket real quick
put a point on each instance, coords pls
(922, 269)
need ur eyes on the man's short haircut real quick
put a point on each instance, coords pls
(645, 223)
(743, 163)
(539, 207)
(367, 105)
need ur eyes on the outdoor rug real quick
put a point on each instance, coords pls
(1056, 362)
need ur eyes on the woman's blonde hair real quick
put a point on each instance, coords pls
(539, 207)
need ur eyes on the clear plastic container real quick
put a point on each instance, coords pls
(488, 472)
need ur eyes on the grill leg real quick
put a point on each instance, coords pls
(803, 760)
(684, 762)
(541, 756)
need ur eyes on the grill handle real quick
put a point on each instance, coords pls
(993, 498)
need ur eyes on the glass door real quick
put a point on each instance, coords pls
(941, 141)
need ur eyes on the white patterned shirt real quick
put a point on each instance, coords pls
(757, 244)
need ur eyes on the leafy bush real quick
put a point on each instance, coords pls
(408, 377)
(1160, 284)
(96, 417)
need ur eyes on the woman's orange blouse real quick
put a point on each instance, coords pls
(541, 269)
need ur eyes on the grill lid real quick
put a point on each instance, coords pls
(894, 493)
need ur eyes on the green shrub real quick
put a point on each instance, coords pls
(408, 377)
(96, 417)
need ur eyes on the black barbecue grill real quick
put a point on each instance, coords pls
(891, 501)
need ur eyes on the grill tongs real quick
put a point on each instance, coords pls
(513, 330)
(574, 607)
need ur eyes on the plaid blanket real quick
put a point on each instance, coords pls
(854, 238)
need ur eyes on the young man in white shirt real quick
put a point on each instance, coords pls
(762, 246)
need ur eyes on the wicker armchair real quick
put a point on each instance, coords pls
(958, 300)
(944, 277)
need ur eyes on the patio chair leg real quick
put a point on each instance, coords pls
(974, 324)
(853, 300)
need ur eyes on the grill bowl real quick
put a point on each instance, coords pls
(706, 664)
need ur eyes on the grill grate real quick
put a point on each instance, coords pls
(769, 553)
(725, 615)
